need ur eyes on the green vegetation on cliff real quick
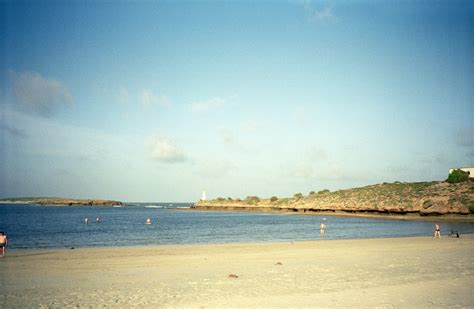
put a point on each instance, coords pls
(458, 175)
(424, 198)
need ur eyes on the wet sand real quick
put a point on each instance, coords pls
(395, 272)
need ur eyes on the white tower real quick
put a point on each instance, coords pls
(203, 196)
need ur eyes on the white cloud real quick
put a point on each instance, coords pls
(164, 150)
(39, 94)
(211, 104)
(150, 99)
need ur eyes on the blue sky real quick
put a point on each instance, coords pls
(157, 101)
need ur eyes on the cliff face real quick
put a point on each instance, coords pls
(424, 198)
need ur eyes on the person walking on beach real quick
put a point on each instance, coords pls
(436, 231)
(3, 242)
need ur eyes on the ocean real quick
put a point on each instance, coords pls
(31, 226)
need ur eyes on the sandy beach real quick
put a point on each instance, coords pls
(385, 273)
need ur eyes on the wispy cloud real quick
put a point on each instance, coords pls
(235, 142)
(41, 95)
(150, 99)
(208, 105)
(122, 95)
(251, 126)
(52, 138)
(165, 150)
(465, 137)
(12, 131)
(318, 13)
(215, 169)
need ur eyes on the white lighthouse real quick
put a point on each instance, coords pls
(203, 196)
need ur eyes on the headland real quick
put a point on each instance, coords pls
(59, 201)
(411, 201)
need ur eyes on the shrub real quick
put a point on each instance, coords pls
(252, 199)
(283, 201)
(312, 193)
(427, 204)
(273, 199)
(323, 191)
(298, 196)
(458, 175)
(229, 199)
(221, 199)
(471, 208)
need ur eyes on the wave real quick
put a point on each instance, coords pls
(153, 206)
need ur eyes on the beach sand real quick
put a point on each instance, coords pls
(395, 272)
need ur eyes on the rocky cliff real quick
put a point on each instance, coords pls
(420, 199)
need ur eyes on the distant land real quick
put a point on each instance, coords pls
(60, 201)
(418, 200)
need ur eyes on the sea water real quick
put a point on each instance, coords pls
(33, 226)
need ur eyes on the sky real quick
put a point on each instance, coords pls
(160, 100)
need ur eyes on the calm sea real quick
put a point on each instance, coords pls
(33, 226)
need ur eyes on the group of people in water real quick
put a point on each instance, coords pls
(99, 220)
(322, 227)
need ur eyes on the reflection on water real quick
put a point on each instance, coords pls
(32, 226)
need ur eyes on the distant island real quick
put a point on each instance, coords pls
(400, 200)
(60, 201)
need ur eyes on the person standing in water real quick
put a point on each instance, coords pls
(3, 242)
(436, 231)
(148, 221)
(322, 229)
(86, 220)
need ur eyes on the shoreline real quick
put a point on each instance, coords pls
(406, 217)
(21, 252)
(381, 272)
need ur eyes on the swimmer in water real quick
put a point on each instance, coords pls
(86, 220)
(98, 220)
(148, 221)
